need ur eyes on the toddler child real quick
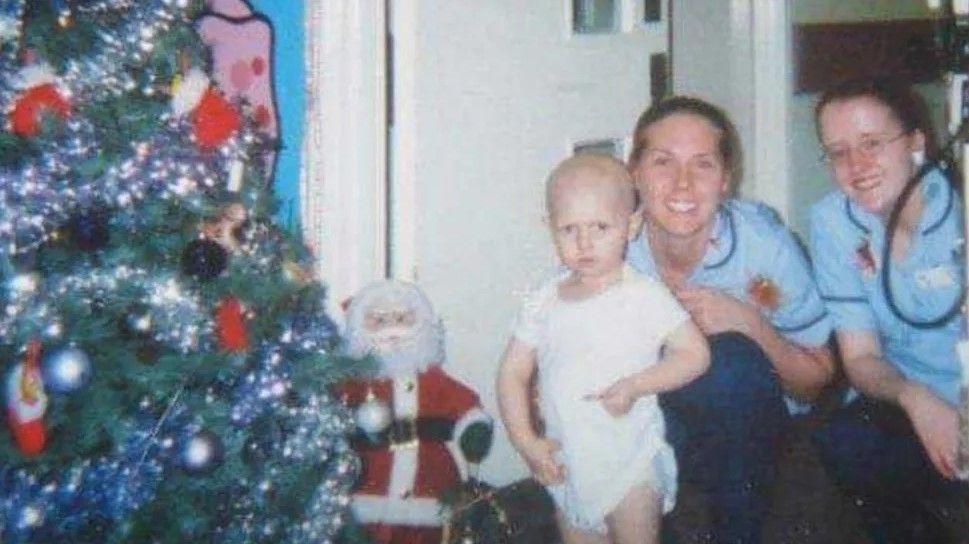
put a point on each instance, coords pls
(594, 334)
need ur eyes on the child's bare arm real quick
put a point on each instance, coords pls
(514, 374)
(685, 358)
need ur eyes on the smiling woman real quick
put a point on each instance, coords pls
(745, 282)
(893, 446)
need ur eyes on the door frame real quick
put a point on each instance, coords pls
(344, 183)
(343, 186)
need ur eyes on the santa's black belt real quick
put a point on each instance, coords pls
(406, 432)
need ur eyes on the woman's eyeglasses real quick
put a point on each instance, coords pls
(869, 146)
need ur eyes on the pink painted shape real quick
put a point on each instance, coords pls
(229, 8)
(236, 46)
(241, 75)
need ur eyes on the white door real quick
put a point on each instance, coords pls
(487, 97)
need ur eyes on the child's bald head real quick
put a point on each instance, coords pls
(591, 173)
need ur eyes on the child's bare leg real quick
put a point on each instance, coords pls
(637, 518)
(574, 535)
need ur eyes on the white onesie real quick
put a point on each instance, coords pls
(583, 347)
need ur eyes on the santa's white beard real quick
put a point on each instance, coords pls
(400, 356)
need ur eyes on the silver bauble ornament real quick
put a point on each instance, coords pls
(373, 416)
(23, 285)
(65, 369)
(202, 453)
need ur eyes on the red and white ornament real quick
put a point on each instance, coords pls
(39, 95)
(214, 119)
(27, 403)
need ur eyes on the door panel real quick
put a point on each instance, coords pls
(487, 98)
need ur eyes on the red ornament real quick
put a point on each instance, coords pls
(231, 325)
(32, 103)
(27, 403)
(214, 120)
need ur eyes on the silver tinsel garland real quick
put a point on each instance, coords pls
(101, 493)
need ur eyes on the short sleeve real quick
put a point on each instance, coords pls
(801, 315)
(838, 279)
(660, 311)
(529, 321)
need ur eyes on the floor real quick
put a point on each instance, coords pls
(806, 507)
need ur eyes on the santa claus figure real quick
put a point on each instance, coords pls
(418, 428)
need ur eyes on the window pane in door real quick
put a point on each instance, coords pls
(653, 11)
(594, 16)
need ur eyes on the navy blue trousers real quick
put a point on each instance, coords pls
(871, 451)
(726, 428)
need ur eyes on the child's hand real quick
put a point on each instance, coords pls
(540, 456)
(618, 398)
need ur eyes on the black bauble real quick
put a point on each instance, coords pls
(204, 259)
(89, 230)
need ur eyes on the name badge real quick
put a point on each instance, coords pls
(935, 278)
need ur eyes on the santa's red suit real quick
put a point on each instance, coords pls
(407, 468)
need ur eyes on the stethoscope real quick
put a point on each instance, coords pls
(893, 218)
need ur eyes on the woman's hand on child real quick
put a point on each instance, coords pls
(715, 311)
(540, 456)
(619, 397)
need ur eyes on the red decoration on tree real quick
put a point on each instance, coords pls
(27, 403)
(32, 103)
(214, 120)
(230, 325)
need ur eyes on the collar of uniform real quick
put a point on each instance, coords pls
(720, 248)
(723, 239)
(937, 196)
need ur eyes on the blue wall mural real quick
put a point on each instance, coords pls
(286, 17)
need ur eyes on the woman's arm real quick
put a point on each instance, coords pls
(936, 423)
(802, 371)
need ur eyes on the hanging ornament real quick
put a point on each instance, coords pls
(22, 286)
(297, 273)
(39, 96)
(213, 118)
(226, 228)
(202, 453)
(89, 230)
(203, 259)
(147, 352)
(373, 415)
(27, 403)
(66, 369)
(230, 325)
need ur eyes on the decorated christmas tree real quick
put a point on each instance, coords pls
(164, 347)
